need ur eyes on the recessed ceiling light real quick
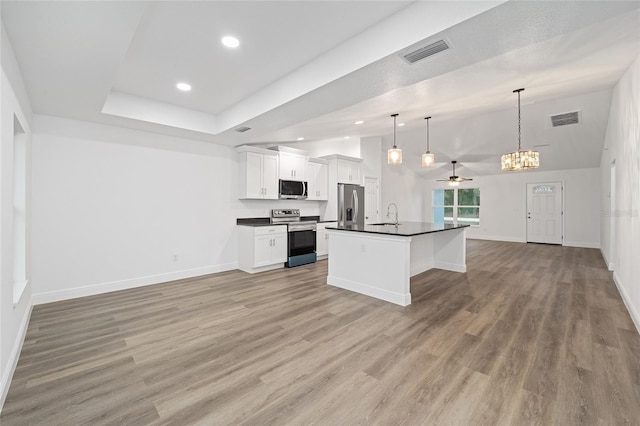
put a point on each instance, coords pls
(300, 139)
(400, 124)
(184, 87)
(230, 42)
(359, 122)
(347, 137)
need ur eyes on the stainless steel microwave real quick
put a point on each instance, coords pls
(293, 190)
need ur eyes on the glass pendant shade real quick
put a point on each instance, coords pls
(428, 159)
(520, 160)
(394, 154)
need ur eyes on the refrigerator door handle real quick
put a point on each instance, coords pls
(355, 199)
(341, 205)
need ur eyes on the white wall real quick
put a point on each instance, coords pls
(111, 206)
(13, 316)
(623, 146)
(503, 202)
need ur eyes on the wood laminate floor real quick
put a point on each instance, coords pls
(531, 334)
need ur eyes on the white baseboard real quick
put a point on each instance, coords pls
(5, 381)
(389, 296)
(581, 244)
(90, 290)
(495, 238)
(606, 260)
(635, 316)
(454, 267)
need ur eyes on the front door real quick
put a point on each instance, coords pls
(544, 213)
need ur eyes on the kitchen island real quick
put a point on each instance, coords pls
(379, 260)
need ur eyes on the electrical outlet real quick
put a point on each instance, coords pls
(174, 257)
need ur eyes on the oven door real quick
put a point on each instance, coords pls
(301, 246)
(302, 242)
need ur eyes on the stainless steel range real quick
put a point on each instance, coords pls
(301, 236)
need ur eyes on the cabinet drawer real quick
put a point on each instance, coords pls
(270, 230)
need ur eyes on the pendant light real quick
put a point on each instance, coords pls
(428, 159)
(520, 160)
(394, 154)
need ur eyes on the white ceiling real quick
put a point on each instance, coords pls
(311, 68)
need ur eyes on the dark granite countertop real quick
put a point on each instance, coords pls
(403, 229)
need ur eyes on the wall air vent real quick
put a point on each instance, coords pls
(565, 119)
(426, 51)
(242, 129)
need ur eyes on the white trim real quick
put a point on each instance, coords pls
(93, 289)
(261, 268)
(5, 381)
(635, 316)
(606, 260)
(496, 238)
(389, 296)
(450, 266)
(581, 244)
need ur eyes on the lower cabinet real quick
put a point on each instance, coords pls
(322, 244)
(261, 248)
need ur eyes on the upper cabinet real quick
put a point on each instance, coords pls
(317, 179)
(348, 171)
(257, 173)
(292, 166)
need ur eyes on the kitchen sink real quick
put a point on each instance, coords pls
(386, 224)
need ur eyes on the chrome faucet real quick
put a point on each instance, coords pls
(389, 207)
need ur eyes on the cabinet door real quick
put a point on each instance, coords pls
(270, 177)
(344, 171)
(312, 178)
(321, 242)
(254, 175)
(292, 166)
(279, 248)
(322, 181)
(355, 173)
(263, 248)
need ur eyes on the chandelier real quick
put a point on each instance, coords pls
(520, 160)
(428, 159)
(394, 154)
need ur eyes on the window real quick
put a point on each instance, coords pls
(457, 206)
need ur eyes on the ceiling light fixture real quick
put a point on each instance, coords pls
(400, 124)
(428, 159)
(394, 154)
(520, 160)
(359, 122)
(230, 42)
(300, 139)
(184, 87)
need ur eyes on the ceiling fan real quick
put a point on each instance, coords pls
(453, 179)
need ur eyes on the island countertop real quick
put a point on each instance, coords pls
(403, 229)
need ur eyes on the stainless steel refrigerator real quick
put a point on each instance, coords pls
(350, 205)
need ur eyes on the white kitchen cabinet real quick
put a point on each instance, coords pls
(342, 169)
(257, 173)
(261, 248)
(322, 239)
(292, 166)
(317, 180)
(348, 171)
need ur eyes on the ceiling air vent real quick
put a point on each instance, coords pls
(242, 129)
(426, 51)
(565, 119)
